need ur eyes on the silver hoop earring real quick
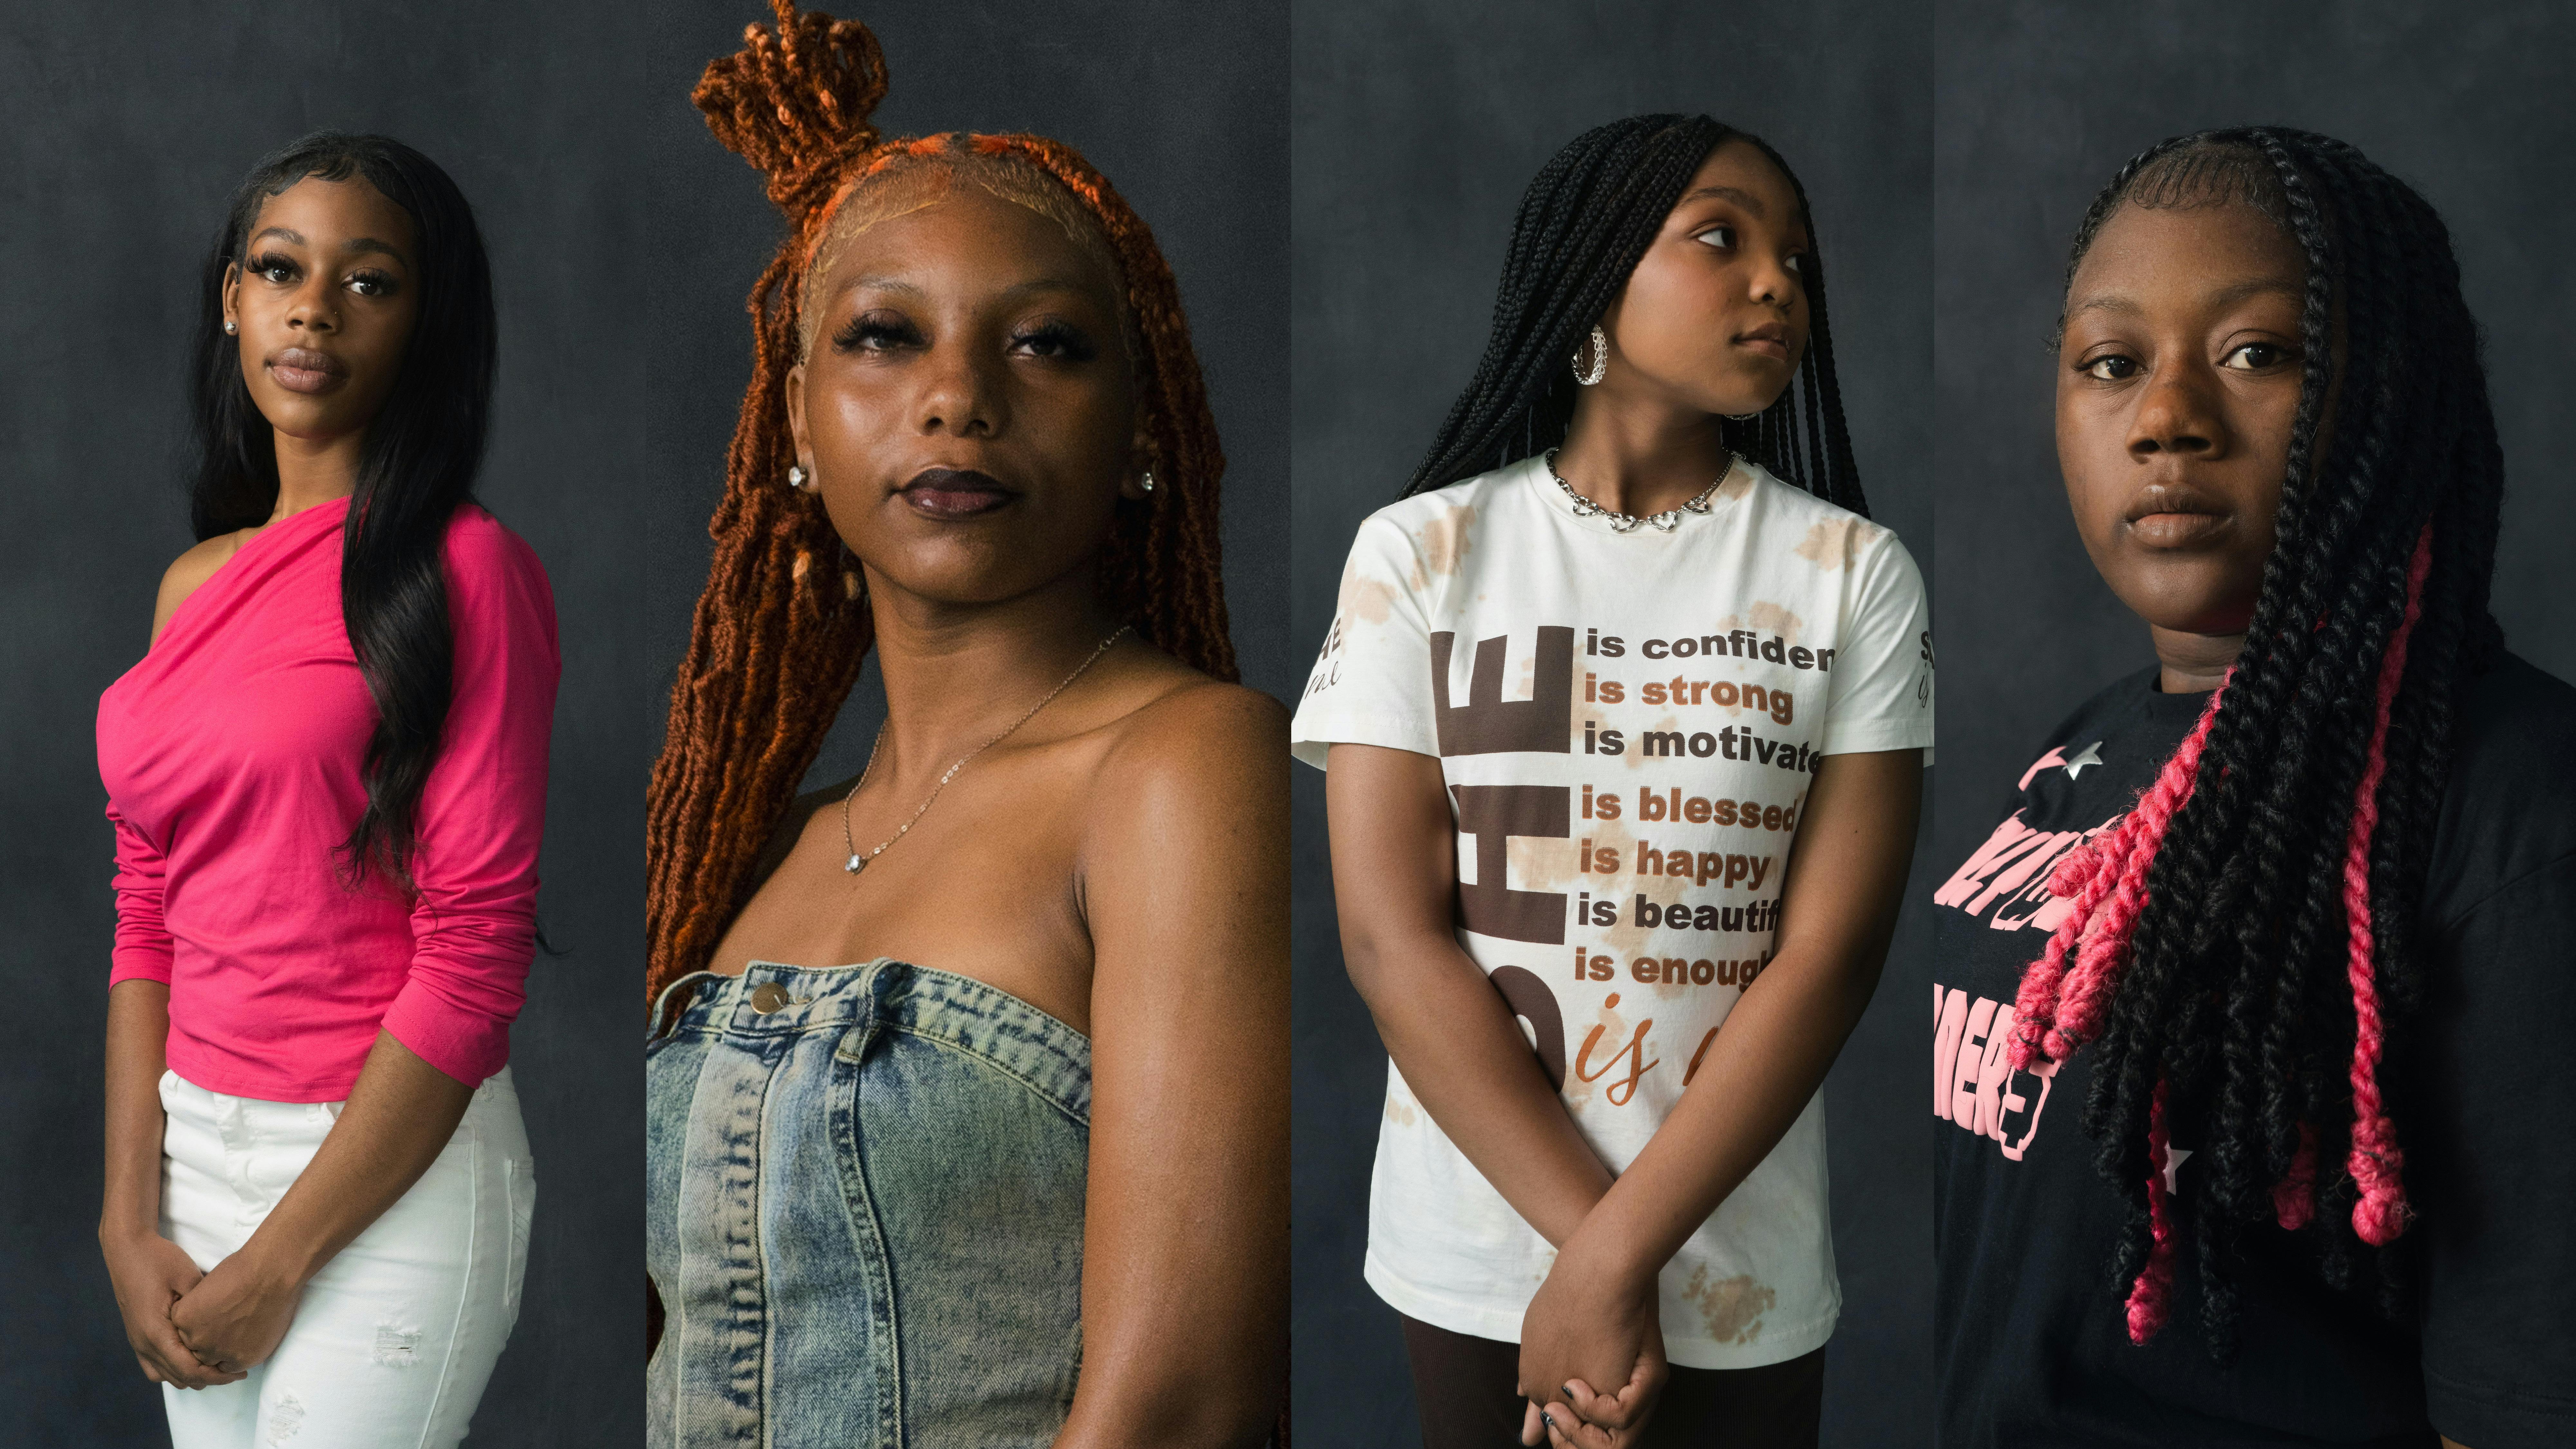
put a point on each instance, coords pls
(796, 477)
(1147, 482)
(1600, 359)
(229, 327)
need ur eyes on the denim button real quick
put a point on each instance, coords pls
(767, 997)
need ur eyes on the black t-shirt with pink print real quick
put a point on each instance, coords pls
(2030, 1338)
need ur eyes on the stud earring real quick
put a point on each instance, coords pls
(229, 327)
(796, 477)
(1147, 482)
(1600, 359)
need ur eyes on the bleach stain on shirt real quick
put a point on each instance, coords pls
(1732, 1308)
(1828, 544)
(1446, 539)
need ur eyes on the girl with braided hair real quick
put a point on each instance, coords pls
(967, 1086)
(2281, 922)
(1631, 643)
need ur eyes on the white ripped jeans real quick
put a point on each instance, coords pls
(394, 1338)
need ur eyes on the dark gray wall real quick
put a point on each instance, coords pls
(126, 129)
(1184, 107)
(1418, 126)
(2038, 106)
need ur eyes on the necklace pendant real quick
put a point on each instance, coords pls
(857, 863)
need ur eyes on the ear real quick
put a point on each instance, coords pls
(232, 293)
(795, 398)
(1140, 457)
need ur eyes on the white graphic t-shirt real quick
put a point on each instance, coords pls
(1628, 724)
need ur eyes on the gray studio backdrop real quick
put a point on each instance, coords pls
(1184, 107)
(1417, 127)
(126, 129)
(2038, 106)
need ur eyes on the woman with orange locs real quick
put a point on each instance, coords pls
(967, 1081)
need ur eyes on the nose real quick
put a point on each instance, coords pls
(316, 306)
(1772, 283)
(962, 393)
(2174, 416)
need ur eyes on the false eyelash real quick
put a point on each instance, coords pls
(1071, 344)
(865, 326)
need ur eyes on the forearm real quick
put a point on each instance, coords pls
(138, 1030)
(1769, 1058)
(399, 1115)
(1463, 1057)
(1839, 898)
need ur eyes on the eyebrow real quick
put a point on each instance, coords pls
(2227, 296)
(914, 289)
(1742, 198)
(354, 246)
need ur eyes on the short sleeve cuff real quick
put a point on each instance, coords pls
(2487, 1417)
(1311, 737)
(1868, 736)
(467, 1045)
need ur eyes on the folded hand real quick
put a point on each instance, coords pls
(1592, 1322)
(150, 1273)
(236, 1315)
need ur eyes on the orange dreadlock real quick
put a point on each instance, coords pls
(781, 629)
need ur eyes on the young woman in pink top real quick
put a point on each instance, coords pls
(327, 778)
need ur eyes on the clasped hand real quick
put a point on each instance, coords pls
(236, 1315)
(1592, 1323)
(195, 1330)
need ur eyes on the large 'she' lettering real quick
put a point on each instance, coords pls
(1494, 814)
(1485, 724)
(1531, 1001)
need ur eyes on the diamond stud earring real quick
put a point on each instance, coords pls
(229, 327)
(795, 477)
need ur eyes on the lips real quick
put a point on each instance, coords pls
(302, 369)
(1771, 339)
(2173, 515)
(954, 493)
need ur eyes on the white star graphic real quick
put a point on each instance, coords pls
(2090, 755)
(2175, 1157)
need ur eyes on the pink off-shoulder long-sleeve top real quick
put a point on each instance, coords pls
(232, 758)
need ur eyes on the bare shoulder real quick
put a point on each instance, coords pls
(1201, 728)
(188, 572)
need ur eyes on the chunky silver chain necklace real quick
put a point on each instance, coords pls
(1664, 522)
(858, 862)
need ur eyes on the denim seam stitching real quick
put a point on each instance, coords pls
(1053, 1098)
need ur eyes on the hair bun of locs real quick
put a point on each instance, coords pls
(796, 103)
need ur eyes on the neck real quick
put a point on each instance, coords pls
(2194, 663)
(1638, 455)
(955, 673)
(314, 471)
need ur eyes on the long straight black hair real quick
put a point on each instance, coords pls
(422, 452)
(1584, 223)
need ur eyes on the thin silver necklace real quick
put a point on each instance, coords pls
(858, 862)
(1664, 522)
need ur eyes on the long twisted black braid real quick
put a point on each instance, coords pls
(2237, 991)
(1583, 224)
